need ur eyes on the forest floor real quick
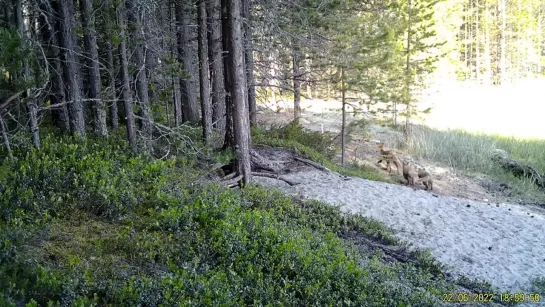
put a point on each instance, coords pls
(469, 222)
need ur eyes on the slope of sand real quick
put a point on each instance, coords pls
(500, 243)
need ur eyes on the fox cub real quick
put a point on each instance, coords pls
(425, 177)
(390, 158)
(412, 176)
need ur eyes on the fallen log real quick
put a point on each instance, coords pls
(233, 182)
(230, 176)
(275, 176)
(312, 163)
(517, 168)
(258, 162)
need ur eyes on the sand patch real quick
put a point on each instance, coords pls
(499, 243)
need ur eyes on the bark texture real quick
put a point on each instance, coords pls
(190, 106)
(95, 84)
(216, 65)
(239, 95)
(71, 72)
(204, 72)
(127, 95)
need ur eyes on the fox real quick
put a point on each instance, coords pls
(425, 178)
(390, 158)
(409, 173)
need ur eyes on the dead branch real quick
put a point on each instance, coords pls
(233, 182)
(10, 99)
(312, 163)
(164, 130)
(230, 176)
(5, 137)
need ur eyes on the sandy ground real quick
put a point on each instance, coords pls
(465, 225)
(502, 243)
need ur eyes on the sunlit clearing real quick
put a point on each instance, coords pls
(509, 110)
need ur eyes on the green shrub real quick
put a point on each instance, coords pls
(185, 243)
(295, 132)
(98, 176)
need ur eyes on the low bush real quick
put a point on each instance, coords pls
(133, 231)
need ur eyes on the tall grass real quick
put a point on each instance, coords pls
(471, 152)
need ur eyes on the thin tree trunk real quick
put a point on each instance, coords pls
(467, 25)
(95, 84)
(539, 38)
(343, 126)
(140, 62)
(407, 72)
(296, 83)
(213, 8)
(71, 73)
(57, 96)
(114, 120)
(307, 77)
(216, 65)
(395, 113)
(127, 96)
(229, 141)
(204, 73)
(109, 20)
(487, 53)
(503, 50)
(177, 97)
(190, 104)
(249, 59)
(31, 103)
(238, 76)
(477, 44)
(5, 4)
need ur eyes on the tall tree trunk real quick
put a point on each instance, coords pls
(238, 77)
(395, 113)
(114, 120)
(540, 38)
(30, 102)
(185, 52)
(57, 95)
(177, 95)
(216, 65)
(307, 77)
(343, 126)
(71, 73)
(204, 72)
(249, 59)
(95, 84)
(5, 4)
(467, 25)
(229, 141)
(296, 82)
(503, 47)
(127, 96)
(142, 93)
(477, 44)
(487, 53)
(109, 21)
(408, 72)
